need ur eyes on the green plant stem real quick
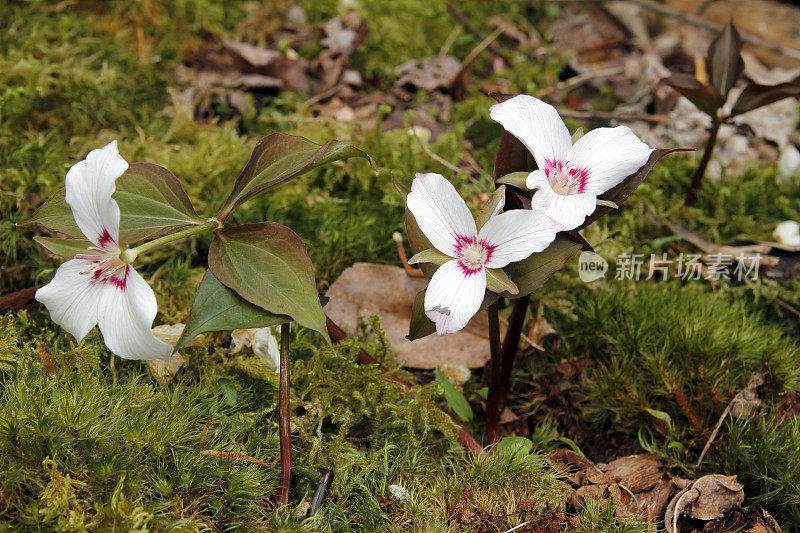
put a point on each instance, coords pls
(284, 425)
(211, 225)
(691, 193)
(496, 363)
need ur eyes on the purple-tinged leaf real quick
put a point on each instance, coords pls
(622, 192)
(279, 157)
(531, 273)
(267, 265)
(151, 201)
(499, 282)
(420, 325)
(706, 97)
(217, 307)
(725, 63)
(756, 95)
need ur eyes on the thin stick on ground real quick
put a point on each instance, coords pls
(464, 21)
(284, 425)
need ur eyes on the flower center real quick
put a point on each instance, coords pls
(473, 253)
(106, 267)
(565, 178)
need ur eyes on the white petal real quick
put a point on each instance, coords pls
(71, 299)
(610, 155)
(125, 316)
(516, 234)
(454, 296)
(89, 186)
(537, 180)
(537, 125)
(569, 210)
(440, 212)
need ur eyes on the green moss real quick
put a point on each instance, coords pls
(762, 452)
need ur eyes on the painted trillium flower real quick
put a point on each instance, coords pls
(569, 177)
(457, 288)
(101, 287)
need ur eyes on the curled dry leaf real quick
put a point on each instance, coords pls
(428, 74)
(708, 498)
(164, 370)
(262, 341)
(366, 289)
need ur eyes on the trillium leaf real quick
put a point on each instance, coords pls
(431, 255)
(279, 157)
(455, 398)
(492, 207)
(531, 273)
(707, 98)
(622, 192)
(755, 95)
(517, 179)
(151, 201)
(725, 63)
(497, 281)
(66, 248)
(267, 265)
(217, 307)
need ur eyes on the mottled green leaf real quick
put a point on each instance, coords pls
(279, 157)
(267, 264)
(455, 399)
(217, 308)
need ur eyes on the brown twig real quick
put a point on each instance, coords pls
(17, 300)
(401, 251)
(580, 79)
(464, 21)
(284, 422)
(337, 334)
(236, 456)
(524, 337)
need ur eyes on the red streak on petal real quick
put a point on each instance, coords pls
(105, 239)
(468, 270)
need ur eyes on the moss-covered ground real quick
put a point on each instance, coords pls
(84, 446)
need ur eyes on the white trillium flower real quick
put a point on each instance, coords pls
(569, 177)
(98, 287)
(456, 289)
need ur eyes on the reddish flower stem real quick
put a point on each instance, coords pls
(284, 425)
(511, 345)
(496, 373)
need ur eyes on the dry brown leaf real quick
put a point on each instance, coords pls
(164, 370)
(428, 74)
(708, 498)
(749, 520)
(366, 289)
(254, 55)
(636, 472)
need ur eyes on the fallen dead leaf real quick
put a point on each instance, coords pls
(708, 498)
(636, 472)
(366, 289)
(749, 520)
(164, 370)
(428, 74)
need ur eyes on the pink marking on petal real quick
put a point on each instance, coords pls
(583, 177)
(118, 281)
(105, 239)
(468, 270)
(462, 241)
(490, 248)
